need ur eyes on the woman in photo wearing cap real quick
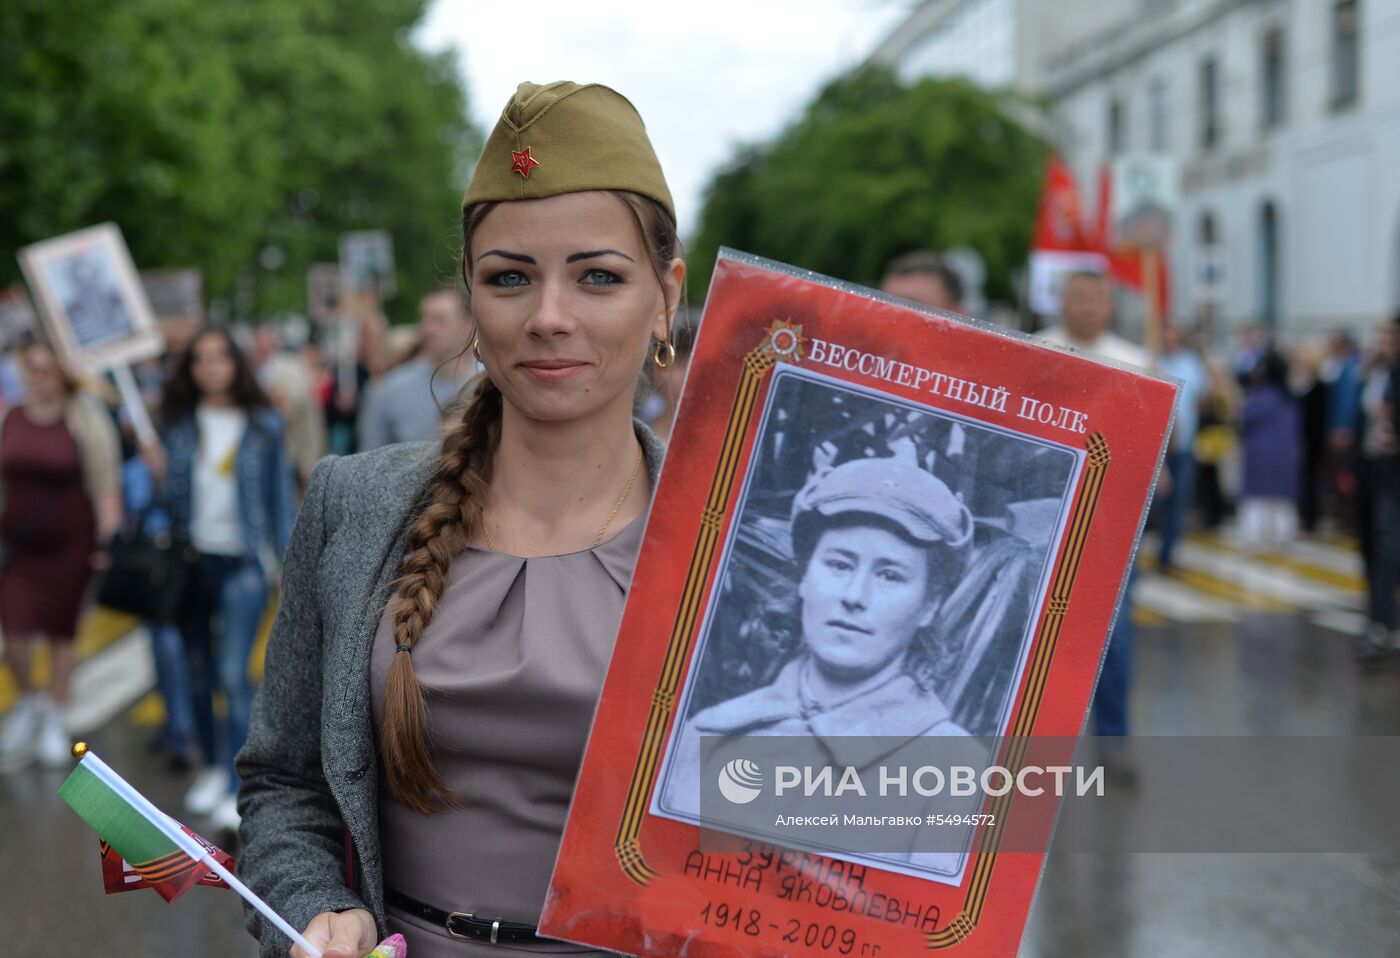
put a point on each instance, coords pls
(449, 609)
(880, 543)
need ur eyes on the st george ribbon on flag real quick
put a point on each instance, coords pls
(155, 844)
(170, 881)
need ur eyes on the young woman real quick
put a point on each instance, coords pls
(60, 481)
(449, 608)
(229, 490)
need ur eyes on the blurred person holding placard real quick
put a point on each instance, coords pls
(61, 484)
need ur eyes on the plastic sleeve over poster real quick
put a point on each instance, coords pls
(878, 529)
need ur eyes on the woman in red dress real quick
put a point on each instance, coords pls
(59, 478)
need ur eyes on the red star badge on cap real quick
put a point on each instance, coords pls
(523, 162)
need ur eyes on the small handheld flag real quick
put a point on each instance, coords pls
(160, 850)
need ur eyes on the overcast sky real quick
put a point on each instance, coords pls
(705, 77)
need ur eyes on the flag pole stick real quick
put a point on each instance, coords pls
(1151, 294)
(134, 403)
(187, 844)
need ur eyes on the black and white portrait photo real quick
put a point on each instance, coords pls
(367, 263)
(882, 578)
(86, 286)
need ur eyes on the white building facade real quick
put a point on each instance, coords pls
(1283, 117)
(951, 38)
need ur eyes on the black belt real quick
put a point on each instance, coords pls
(461, 924)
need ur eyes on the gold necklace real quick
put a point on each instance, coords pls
(636, 468)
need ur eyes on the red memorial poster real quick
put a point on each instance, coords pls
(853, 484)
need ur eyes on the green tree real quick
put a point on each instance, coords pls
(241, 139)
(115, 112)
(875, 168)
(376, 137)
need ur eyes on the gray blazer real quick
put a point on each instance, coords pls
(310, 767)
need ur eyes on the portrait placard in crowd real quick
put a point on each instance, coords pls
(175, 294)
(884, 528)
(367, 264)
(91, 298)
(323, 292)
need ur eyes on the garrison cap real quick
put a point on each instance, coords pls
(567, 138)
(915, 500)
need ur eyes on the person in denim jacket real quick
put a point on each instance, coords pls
(229, 489)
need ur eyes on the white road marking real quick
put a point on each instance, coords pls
(1265, 580)
(1344, 561)
(1331, 606)
(1180, 602)
(1347, 623)
(110, 682)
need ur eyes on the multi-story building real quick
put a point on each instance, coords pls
(1283, 116)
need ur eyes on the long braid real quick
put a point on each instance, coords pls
(442, 530)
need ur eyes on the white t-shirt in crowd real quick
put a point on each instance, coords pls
(214, 525)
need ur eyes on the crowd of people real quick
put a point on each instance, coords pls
(1289, 435)
(1295, 438)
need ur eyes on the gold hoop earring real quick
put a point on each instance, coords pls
(666, 348)
(476, 349)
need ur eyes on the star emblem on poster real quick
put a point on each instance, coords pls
(785, 340)
(522, 162)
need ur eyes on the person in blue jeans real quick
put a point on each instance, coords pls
(176, 738)
(1110, 707)
(229, 488)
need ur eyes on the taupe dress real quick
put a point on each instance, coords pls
(515, 658)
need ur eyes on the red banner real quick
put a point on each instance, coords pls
(1061, 227)
(1059, 222)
